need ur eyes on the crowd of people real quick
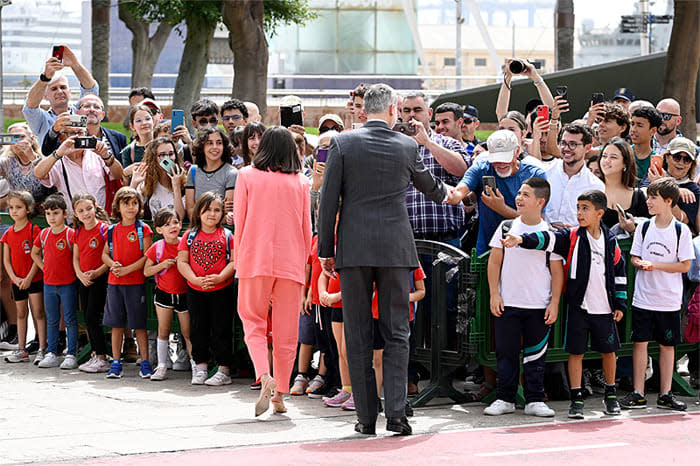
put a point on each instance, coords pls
(564, 189)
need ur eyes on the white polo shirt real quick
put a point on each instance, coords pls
(564, 192)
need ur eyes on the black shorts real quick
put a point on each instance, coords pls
(661, 326)
(601, 328)
(176, 302)
(21, 295)
(337, 314)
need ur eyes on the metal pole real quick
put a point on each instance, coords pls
(458, 48)
(644, 35)
(2, 90)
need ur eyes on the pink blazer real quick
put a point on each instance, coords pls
(271, 212)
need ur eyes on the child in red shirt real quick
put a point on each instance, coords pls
(204, 258)
(126, 289)
(170, 293)
(89, 220)
(52, 254)
(27, 287)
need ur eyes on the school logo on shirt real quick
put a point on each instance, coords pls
(93, 243)
(207, 254)
(27, 246)
(61, 244)
(131, 236)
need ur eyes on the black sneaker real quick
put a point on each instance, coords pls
(669, 401)
(9, 343)
(612, 406)
(576, 409)
(257, 385)
(586, 383)
(634, 400)
(598, 382)
(320, 392)
(33, 346)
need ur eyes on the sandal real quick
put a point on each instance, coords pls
(263, 403)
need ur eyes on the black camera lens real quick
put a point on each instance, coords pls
(516, 67)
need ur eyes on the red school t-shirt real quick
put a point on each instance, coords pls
(315, 270)
(207, 255)
(90, 245)
(126, 251)
(334, 287)
(170, 280)
(58, 256)
(20, 244)
(413, 277)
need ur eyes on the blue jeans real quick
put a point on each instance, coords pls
(55, 298)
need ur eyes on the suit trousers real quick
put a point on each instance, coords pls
(392, 291)
(254, 296)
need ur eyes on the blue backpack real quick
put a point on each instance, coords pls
(193, 233)
(110, 233)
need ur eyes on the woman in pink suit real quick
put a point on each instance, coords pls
(271, 245)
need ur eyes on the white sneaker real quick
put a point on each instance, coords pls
(199, 377)
(499, 407)
(40, 354)
(161, 372)
(69, 362)
(89, 366)
(49, 360)
(539, 409)
(218, 379)
(101, 365)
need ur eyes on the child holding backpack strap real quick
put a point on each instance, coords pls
(52, 253)
(126, 290)
(170, 293)
(204, 258)
(89, 220)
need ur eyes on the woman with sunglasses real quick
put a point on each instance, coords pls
(158, 186)
(679, 163)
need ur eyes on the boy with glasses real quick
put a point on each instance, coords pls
(204, 113)
(234, 113)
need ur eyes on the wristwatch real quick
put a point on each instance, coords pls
(55, 155)
(44, 78)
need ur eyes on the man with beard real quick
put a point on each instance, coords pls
(500, 163)
(569, 176)
(670, 111)
(92, 107)
(54, 87)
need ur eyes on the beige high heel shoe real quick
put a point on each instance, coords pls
(278, 406)
(268, 385)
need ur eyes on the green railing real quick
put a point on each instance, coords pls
(482, 334)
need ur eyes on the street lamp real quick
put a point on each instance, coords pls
(3, 3)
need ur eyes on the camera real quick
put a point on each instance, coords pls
(516, 66)
(9, 139)
(405, 128)
(85, 142)
(77, 121)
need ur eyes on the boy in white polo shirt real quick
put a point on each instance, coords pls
(521, 310)
(661, 253)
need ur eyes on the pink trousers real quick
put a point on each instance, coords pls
(254, 297)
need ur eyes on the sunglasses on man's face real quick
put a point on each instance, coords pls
(468, 121)
(323, 129)
(667, 116)
(681, 158)
(204, 121)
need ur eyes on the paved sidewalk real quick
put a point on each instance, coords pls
(49, 415)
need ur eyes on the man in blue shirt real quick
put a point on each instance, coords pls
(500, 162)
(54, 87)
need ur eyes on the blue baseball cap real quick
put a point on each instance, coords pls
(624, 93)
(471, 111)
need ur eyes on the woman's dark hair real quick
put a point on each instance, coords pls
(237, 136)
(251, 128)
(164, 215)
(277, 152)
(629, 174)
(153, 168)
(202, 205)
(517, 117)
(201, 139)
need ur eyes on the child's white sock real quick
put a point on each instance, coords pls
(162, 347)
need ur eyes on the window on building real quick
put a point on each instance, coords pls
(450, 61)
(479, 62)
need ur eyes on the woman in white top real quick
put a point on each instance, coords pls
(160, 188)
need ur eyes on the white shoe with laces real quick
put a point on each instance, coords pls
(218, 379)
(161, 372)
(89, 366)
(199, 376)
(539, 409)
(499, 407)
(69, 362)
(49, 360)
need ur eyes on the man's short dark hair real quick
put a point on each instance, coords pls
(650, 114)
(204, 107)
(142, 91)
(235, 104)
(360, 90)
(540, 186)
(617, 113)
(666, 188)
(579, 128)
(595, 197)
(457, 110)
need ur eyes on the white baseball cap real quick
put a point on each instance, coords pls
(501, 145)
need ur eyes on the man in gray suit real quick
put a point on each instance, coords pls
(371, 170)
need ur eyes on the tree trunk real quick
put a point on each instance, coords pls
(244, 20)
(683, 62)
(100, 47)
(145, 49)
(564, 34)
(193, 65)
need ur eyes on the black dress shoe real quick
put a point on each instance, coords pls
(409, 409)
(399, 425)
(366, 429)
